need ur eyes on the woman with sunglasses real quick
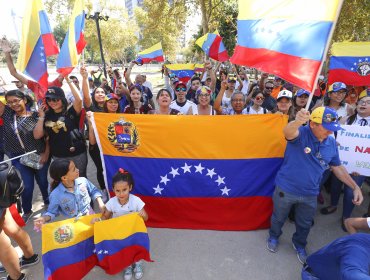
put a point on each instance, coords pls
(361, 117)
(64, 127)
(204, 107)
(164, 101)
(336, 99)
(256, 108)
(19, 126)
(136, 105)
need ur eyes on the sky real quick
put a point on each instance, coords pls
(7, 24)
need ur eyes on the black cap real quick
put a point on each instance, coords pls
(55, 92)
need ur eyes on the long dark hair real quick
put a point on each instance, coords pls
(58, 168)
(93, 96)
(327, 99)
(123, 176)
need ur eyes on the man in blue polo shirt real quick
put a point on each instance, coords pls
(309, 152)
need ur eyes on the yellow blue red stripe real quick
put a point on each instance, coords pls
(209, 164)
(154, 53)
(275, 36)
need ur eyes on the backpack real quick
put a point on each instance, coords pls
(11, 185)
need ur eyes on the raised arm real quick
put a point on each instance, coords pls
(85, 87)
(6, 48)
(211, 74)
(238, 77)
(291, 130)
(77, 102)
(38, 131)
(217, 104)
(128, 74)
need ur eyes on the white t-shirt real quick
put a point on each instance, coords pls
(342, 111)
(261, 111)
(245, 86)
(134, 204)
(359, 121)
(195, 111)
(183, 109)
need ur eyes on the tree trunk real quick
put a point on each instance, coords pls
(203, 9)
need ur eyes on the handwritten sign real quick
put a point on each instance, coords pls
(354, 149)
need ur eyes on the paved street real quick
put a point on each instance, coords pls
(216, 255)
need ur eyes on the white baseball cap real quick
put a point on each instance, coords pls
(285, 93)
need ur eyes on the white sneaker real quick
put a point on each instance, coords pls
(127, 273)
(138, 270)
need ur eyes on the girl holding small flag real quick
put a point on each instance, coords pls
(124, 203)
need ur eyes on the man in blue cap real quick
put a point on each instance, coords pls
(309, 152)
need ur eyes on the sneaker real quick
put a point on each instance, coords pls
(24, 262)
(27, 216)
(272, 244)
(127, 273)
(138, 271)
(301, 254)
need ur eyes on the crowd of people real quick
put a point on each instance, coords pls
(59, 129)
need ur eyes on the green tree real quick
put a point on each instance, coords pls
(160, 21)
(353, 23)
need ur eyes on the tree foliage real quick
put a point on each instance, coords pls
(353, 23)
(160, 21)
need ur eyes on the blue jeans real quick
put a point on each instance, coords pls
(336, 188)
(29, 175)
(305, 209)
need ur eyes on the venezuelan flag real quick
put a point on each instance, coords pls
(285, 37)
(37, 42)
(350, 63)
(120, 242)
(68, 250)
(74, 42)
(183, 71)
(154, 53)
(212, 45)
(198, 172)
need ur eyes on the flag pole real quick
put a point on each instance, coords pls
(325, 52)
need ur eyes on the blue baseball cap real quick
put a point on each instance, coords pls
(337, 86)
(327, 117)
(301, 92)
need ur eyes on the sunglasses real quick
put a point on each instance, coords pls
(269, 88)
(204, 95)
(260, 98)
(181, 89)
(48, 99)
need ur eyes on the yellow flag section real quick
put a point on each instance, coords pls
(68, 250)
(120, 242)
(215, 137)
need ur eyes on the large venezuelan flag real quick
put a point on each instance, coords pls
(182, 71)
(350, 63)
(154, 53)
(197, 172)
(212, 45)
(68, 250)
(285, 37)
(37, 42)
(74, 42)
(120, 242)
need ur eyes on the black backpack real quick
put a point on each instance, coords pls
(11, 185)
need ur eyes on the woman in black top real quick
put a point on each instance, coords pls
(64, 127)
(20, 122)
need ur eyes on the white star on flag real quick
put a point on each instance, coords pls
(158, 189)
(106, 252)
(94, 251)
(211, 172)
(220, 180)
(100, 252)
(174, 172)
(199, 168)
(225, 190)
(164, 179)
(186, 168)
